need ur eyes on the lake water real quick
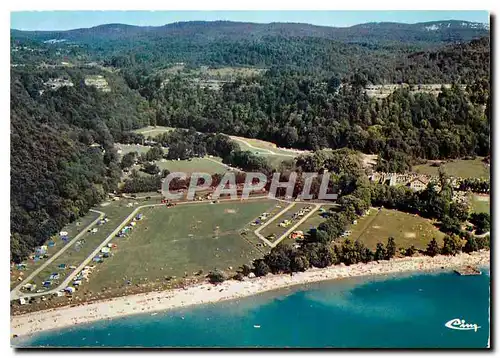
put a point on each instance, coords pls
(401, 311)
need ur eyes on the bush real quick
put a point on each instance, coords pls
(245, 270)
(239, 276)
(410, 251)
(216, 276)
(483, 242)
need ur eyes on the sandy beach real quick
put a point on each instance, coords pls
(27, 324)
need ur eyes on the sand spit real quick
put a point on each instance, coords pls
(30, 323)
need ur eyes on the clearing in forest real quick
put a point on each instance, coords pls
(153, 131)
(473, 168)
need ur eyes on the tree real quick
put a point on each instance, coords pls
(450, 225)
(432, 248)
(333, 84)
(471, 244)
(216, 276)
(155, 153)
(150, 168)
(279, 259)
(299, 263)
(390, 248)
(165, 173)
(452, 245)
(481, 221)
(368, 255)
(260, 268)
(459, 211)
(352, 203)
(380, 252)
(334, 225)
(128, 160)
(349, 253)
(320, 236)
(365, 255)
(320, 255)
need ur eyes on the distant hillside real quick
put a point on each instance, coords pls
(385, 32)
(373, 48)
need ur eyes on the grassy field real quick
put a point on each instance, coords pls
(406, 229)
(480, 203)
(458, 168)
(263, 147)
(180, 241)
(151, 131)
(72, 229)
(274, 155)
(208, 165)
(204, 165)
(128, 148)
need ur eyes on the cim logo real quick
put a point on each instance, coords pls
(460, 325)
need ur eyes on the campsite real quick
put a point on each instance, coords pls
(278, 227)
(114, 211)
(20, 271)
(171, 243)
(160, 245)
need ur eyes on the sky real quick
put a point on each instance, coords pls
(65, 20)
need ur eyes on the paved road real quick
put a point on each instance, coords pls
(15, 294)
(292, 229)
(267, 223)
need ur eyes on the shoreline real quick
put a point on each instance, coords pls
(53, 319)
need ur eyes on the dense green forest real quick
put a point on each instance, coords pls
(62, 156)
(377, 48)
(296, 111)
(311, 95)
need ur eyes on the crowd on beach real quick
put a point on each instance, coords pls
(152, 302)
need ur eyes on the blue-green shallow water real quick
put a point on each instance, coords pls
(395, 312)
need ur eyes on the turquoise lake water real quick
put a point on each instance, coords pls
(404, 311)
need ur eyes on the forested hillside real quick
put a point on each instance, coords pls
(62, 156)
(461, 63)
(205, 31)
(375, 48)
(72, 100)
